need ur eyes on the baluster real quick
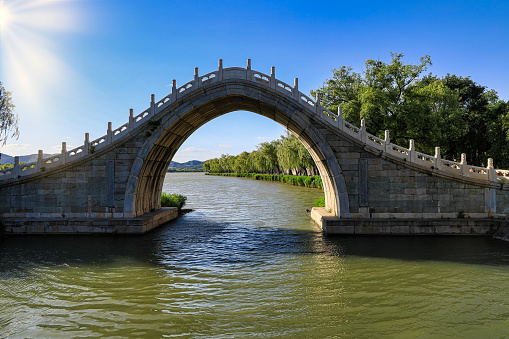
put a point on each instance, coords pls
(491, 170)
(39, 160)
(272, 81)
(16, 169)
(173, 90)
(86, 144)
(249, 73)
(362, 131)
(152, 105)
(411, 152)
(318, 105)
(220, 70)
(130, 124)
(196, 78)
(464, 166)
(63, 154)
(438, 159)
(295, 92)
(109, 134)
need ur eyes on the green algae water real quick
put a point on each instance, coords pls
(249, 263)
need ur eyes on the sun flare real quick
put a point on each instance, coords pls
(31, 51)
(5, 15)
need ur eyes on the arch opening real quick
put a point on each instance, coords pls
(175, 126)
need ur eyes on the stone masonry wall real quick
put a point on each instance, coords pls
(86, 189)
(380, 188)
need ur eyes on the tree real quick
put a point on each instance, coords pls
(8, 119)
(396, 96)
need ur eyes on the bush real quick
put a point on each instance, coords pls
(173, 200)
(320, 202)
(300, 180)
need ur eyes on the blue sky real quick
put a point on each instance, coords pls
(74, 65)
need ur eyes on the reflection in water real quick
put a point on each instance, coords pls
(249, 263)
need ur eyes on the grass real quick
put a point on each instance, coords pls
(298, 180)
(173, 200)
(320, 202)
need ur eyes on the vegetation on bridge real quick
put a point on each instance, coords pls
(451, 112)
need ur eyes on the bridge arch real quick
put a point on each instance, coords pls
(183, 117)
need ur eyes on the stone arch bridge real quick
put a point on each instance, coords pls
(114, 183)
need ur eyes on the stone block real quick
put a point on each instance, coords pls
(400, 230)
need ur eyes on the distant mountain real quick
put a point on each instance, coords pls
(7, 159)
(193, 165)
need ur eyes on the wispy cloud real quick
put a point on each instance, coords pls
(224, 145)
(195, 153)
(261, 138)
(58, 148)
(15, 149)
(192, 149)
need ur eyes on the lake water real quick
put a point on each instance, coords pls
(249, 263)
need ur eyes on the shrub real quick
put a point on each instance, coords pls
(173, 200)
(320, 202)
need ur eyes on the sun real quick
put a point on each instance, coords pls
(5, 15)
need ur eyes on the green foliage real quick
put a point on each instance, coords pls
(173, 200)
(313, 181)
(286, 155)
(320, 202)
(453, 112)
(5, 166)
(8, 119)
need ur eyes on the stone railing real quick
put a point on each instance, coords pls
(270, 81)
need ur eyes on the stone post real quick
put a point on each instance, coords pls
(411, 152)
(39, 160)
(63, 155)
(491, 170)
(387, 141)
(340, 121)
(295, 91)
(220, 70)
(318, 104)
(362, 131)
(152, 105)
(196, 77)
(173, 90)
(16, 169)
(464, 166)
(109, 134)
(272, 81)
(86, 144)
(249, 73)
(491, 194)
(130, 125)
(438, 159)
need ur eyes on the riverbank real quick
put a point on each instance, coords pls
(312, 181)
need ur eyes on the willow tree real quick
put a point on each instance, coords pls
(293, 157)
(8, 119)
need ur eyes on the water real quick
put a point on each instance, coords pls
(249, 263)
